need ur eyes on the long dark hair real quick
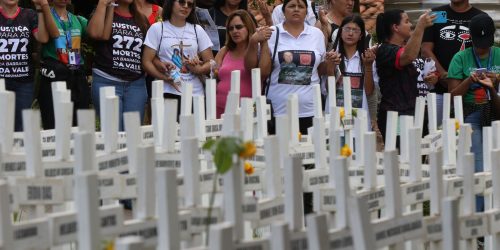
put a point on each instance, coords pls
(385, 21)
(167, 12)
(361, 45)
(243, 4)
(140, 19)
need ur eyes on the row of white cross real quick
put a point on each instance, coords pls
(56, 178)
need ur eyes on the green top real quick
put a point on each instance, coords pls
(58, 48)
(463, 64)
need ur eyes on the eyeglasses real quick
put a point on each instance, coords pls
(353, 30)
(236, 27)
(185, 3)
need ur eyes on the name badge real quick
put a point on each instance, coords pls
(72, 58)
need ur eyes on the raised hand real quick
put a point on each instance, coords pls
(263, 8)
(107, 3)
(426, 20)
(368, 57)
(333, 57)
(431, 78)
(40, 2)
(323, 17)
(262, 34)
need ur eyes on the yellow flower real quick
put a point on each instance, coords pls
(110, 245)
(249, 150)
(345, 151)
(342, 113)
(249, 169)
(457, 125)
(300, 136)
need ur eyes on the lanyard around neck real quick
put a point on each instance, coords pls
(478, 61)
(67, 30)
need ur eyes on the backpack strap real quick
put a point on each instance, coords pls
(196, 34)
(161, 38)
(268, 80)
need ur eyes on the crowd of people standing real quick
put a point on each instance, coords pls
(136, 42)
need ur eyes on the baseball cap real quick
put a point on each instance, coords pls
(482, 30)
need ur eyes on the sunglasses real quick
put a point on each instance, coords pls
(236, 27)
(185, 3)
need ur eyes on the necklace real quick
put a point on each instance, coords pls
(179, 37)
(180, 45)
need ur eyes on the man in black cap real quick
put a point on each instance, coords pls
(474, 74)
(442, 40)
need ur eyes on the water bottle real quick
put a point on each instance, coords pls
(176, 76)
(214, 68)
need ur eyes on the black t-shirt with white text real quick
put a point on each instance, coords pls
(15, 47)
(423, 88)
(450, 37)
(120, 56)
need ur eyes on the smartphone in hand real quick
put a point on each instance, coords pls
(480, 71)
(441, 16)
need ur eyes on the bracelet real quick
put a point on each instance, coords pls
(39, 10)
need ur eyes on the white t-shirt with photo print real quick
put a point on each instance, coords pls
(178, 42)
(295, 68)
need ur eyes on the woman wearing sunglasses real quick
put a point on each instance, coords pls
(240, 26)
(119, 33)
(177, 42)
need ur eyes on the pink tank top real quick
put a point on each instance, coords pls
(229, 63)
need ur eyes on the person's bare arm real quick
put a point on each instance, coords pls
(458, 87)
(412, 48)
(202, 67)
(148, 56)
(220, 55)
(41, 35)
(100, 25)
(332, 59)
(48, 20)
(324, 25)
(259, 37)
(264, 11)
(265, 63)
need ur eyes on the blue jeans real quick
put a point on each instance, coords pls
(24, 92)
(474, 119)
(132, 96)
